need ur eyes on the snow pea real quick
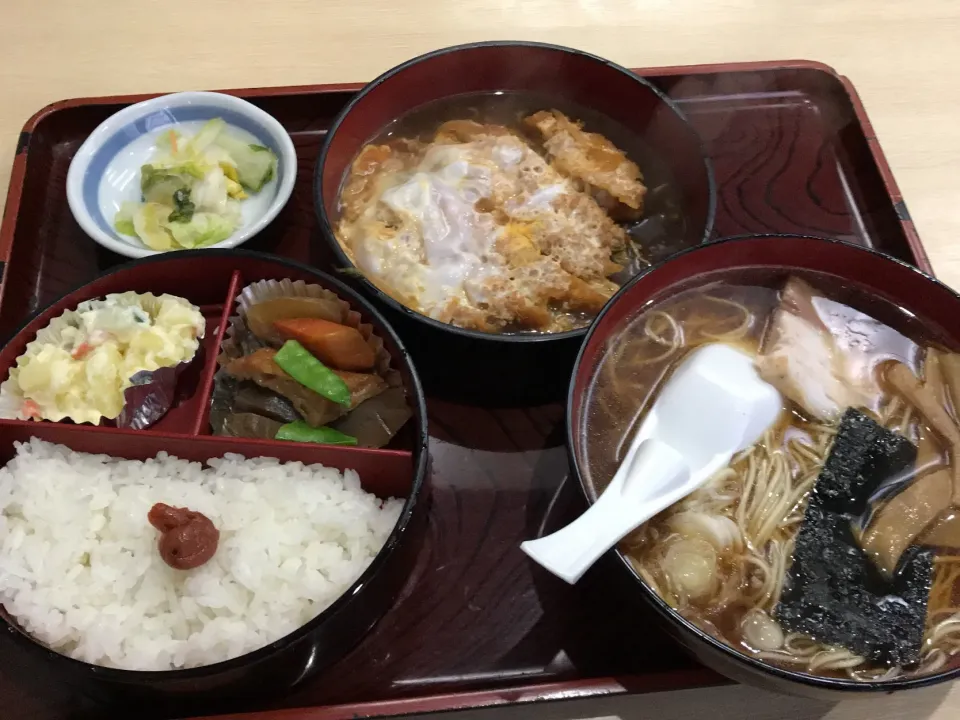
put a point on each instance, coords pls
(303, 367)
(300, 431)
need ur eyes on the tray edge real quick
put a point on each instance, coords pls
(483, 699)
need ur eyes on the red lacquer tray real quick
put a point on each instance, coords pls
(792, 152)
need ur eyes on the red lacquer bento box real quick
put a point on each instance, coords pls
(475, 624)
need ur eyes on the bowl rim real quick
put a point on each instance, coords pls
(660, 606)
(414, 502)
(326, 226)
(77, 170)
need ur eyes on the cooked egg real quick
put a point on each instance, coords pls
(441, 238)
(448, 233)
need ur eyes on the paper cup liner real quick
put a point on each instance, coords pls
(148, 399)
(263, 290)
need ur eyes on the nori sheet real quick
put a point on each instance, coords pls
(833, 592)
(864, 455)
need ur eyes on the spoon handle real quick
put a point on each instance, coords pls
(623, 506)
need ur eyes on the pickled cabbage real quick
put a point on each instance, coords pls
(192, 189)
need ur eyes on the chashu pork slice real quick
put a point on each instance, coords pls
(823, 355)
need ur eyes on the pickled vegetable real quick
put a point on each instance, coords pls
(256, 165)
(192, 188)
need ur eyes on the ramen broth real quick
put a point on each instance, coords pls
(751, 512)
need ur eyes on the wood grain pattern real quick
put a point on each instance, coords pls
(477, 624)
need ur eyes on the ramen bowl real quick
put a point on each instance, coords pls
(612, 101)
(893, 294)
(213, 280)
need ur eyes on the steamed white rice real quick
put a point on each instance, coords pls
(80, 570)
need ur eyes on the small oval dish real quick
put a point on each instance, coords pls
(220, 170)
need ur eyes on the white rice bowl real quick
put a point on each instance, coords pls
(80, 570)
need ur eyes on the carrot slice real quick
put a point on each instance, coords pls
(81, 351)
(338, 346)
(31, 409)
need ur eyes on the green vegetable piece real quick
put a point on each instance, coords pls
(256, 165)
(207, 135)
(183, 208)
(123, 221)
(148, 174)
(148, 223)
(159, 185)
(351, 272)
(193, 168)
(303, 367)
(125, 227)
(300, 431)
(202, 229)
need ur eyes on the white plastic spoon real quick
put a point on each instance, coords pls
(713, 406)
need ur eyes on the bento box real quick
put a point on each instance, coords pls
(378, 484)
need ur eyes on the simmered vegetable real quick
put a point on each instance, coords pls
(252, 399)
(262, 316)
(336, 345)
(301, 432)
(261, 368)
(374, 422)
(249, 425)
(327, 389)
(303, 367)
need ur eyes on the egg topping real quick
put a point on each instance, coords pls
(478, 229)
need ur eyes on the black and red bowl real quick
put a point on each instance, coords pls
(211, 279)
(936, 307)
(568, 78)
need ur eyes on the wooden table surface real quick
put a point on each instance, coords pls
(901, 56)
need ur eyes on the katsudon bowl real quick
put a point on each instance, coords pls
(499, 87)
(760, 574)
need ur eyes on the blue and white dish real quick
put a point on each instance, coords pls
(105, 172)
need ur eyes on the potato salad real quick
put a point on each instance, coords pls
(81, 364)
